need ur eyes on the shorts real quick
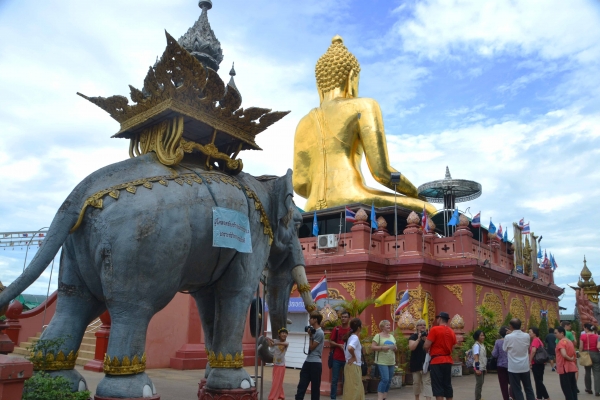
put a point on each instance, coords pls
(551, 357)
(422, 384)
(441, 380)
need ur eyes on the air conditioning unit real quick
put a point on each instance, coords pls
(327, 241)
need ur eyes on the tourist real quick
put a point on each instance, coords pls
(516, 345)
(565, 364)
(550, 348)
(353, 386)
(589, 342)
(336, 342)
(421, 379)
(312, 367)
(502, 365)
(537, 369)
(279, 348)
(480, 357)
(384, 346)
(440, 342)
(571, 336)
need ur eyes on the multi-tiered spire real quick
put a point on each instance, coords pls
(200, 40)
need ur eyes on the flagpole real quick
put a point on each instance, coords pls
(396, 219)
(340, 234)
(345, 231)
(327, 284)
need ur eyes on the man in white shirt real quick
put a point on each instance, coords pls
(516, 345)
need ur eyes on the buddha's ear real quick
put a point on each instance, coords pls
(320, 94)
(352, 84)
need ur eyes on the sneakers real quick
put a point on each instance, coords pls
(553, 369)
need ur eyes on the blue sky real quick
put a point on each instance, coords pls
(504, 93)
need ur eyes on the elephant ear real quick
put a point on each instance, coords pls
(283, 195)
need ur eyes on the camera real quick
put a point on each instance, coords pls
(309, 329)
(424, 334)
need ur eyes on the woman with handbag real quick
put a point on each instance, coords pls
(538, 367)
(589, 357)
(353, 387)
(384, 344)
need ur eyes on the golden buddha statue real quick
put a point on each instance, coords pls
(330, 141)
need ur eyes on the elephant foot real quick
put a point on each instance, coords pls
(126, 386)
(229, 378)
(78, 383)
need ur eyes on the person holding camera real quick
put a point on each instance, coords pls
(353, 386)
(312, 367)
(384, 344)
(421, 380)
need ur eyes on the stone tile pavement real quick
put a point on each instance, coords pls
(182, 385)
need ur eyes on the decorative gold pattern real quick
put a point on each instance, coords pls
(333, 67)
(350, 288)
(303, 288)
(527, 300)
(328, 314)
(227, 361)
(492, 301)
(178, 83)
(50, 362)
(505, 296)
(125, 367)
(374, 289)
(406, 321)
(96, 200)
(455, 290)
(417, 298)
(544, 304)
(535, 310)
(553, 314)
(457, 322)
(294, 288)
(477, 293)
(310, 308)
(374, 327)
(517, 309)
(334, 294)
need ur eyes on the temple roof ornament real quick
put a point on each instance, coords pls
(413, 218)
(200, 40)
(361, 215)
(381, 223)
(463, 220)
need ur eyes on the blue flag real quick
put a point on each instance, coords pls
(454, 220)
(492, 228)
(315, 226)
(373, 220)
(506, 236)
(539, 255)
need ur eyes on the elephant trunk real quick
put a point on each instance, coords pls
(299, 274)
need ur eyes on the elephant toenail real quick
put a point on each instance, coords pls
(245, 384)
(147, 391)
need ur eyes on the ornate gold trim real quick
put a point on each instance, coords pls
(456, 290)
(350, 288)
(334, 294)
(304, 288)
(492, 301)
(374, 327)
(53, 363)
(226, 361)
(263, 214)
(112, 366)
(477, 293)
(527, 300)
(374, 289)
(505, 297)
(517, 309)
(295, 287)
(310, 308)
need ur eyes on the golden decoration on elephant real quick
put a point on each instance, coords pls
(535, 310)
(334, 294)
(294, 288)
(96, 200)
(328, 313)
(477, 293)
(517, 309)
(52, 362)
(333, 67)
(304, 288)
(406, 321)
(226, 361)
(493, 302)
(457, 322)
(374, 289)
(112, 366)
(350, 288)
(184, 102)
(413, 218)
(456, 290)
(505, 297)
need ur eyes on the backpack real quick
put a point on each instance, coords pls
(469, 358)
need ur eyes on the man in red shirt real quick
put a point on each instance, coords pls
(336, 342)
(440, 342)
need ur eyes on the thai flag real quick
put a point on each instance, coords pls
(424, 224)
(320, 290)
(476, 223)
(526, 230)
(522, 222)
(404, 301)
(350, 215)
(499, 233)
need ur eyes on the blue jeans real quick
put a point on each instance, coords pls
(386, 372)
(335, 375)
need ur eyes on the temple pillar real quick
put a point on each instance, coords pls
(413, 237)
(14, 371)
(361, 233)
(463, 237)
(12, 321)
(102, 335)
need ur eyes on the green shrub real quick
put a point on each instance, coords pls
(486, 318)
(42, 386)
(507, 320)
(543, 329)
(532, 322)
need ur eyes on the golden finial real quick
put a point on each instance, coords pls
(333, 67)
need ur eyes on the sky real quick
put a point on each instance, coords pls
(506, 93)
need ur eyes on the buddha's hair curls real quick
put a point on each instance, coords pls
(333, 67)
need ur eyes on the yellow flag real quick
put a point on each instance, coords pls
(389, 297)
(425, 314)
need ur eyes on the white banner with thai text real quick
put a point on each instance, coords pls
(231, 229)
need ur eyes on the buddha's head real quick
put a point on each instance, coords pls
(337, 69)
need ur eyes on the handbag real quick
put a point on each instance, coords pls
(584, 356)
(426, 363)
(541, 356)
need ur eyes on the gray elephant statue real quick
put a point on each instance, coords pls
(137, 232)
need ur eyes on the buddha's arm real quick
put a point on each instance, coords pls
(372, 136)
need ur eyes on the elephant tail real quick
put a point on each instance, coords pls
(63, 221)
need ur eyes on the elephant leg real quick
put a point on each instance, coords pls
(125, 359)
(233, 294)
(75, 309)
(205, 300)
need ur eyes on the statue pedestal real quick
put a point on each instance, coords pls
(13, 373)
(205, 393)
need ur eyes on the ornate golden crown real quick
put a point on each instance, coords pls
(186, 107)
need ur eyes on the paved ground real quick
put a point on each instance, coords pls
(180, 385)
